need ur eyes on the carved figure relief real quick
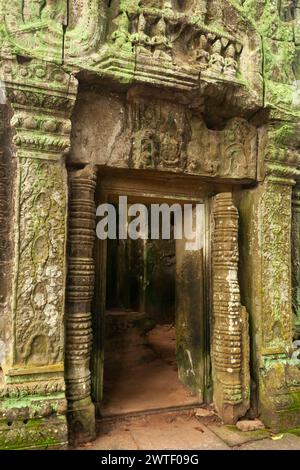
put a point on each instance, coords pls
(203, 149)
(165, 137)
(229, 153)
(121, 35)
(239, 149)
(35, 10)
(174, 32)
(158, 135)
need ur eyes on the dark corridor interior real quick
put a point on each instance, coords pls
(140, 367)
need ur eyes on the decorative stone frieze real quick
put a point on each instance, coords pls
(171, 46)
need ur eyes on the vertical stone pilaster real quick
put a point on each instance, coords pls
(278, 376)
(276, 264)
(296, 258)
(7, 191)
(41, 96)
(230, 320)
(80, 289)
(268, 257)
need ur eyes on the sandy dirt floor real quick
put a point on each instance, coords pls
(183, 430)
(146, 407)
(141, 374)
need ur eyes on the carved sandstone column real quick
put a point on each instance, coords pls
(230, 320)
(80, 289)
(41, 96)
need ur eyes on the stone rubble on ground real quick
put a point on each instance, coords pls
(250, 425)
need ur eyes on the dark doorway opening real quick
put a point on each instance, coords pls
(142, 334)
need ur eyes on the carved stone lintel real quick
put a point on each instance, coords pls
(166, 137)
(230, 319)
(80, 291)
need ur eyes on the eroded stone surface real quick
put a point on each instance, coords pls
(206, 89)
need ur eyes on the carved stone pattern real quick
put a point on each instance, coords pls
(39, 309)
(276, 265)
(36, 25)
(229, 318)
(85, 16)
(5, 187)
(27, 85)
(41, 388)
(41, 132)
(158, 135)
(174, 37)
(41, 96)
(164, 137)
(296, 256)
(80, 286)
(22, 436)
(230, 153)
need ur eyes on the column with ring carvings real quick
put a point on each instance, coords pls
(80, 289)
(230, 340)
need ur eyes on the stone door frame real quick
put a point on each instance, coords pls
(143, 187)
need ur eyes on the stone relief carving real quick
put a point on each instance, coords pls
(7, 175)
(165, 136)
(41, 388)
(158, 135)
(36, 26)
(230, 153)
(35, 10)
(296, 259)
(87, 16)
(39, 337)
(171, 36)
(41, 137)
(41, 96)
(159, 42)
(276, 209)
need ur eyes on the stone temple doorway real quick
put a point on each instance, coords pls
(210, 322)
(150, 311)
